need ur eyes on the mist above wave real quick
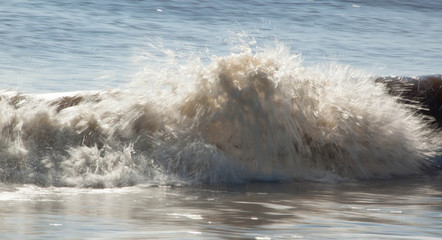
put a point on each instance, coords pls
(247, 116)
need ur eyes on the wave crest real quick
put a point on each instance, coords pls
(249, 116)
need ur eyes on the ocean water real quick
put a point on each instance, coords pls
(217, 120)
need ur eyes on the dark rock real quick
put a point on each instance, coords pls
(421, 93)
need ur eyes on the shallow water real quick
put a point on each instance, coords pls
(387, 209)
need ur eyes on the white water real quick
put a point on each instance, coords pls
(184, 120)
(254, 115)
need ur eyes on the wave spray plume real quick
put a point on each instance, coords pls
(247, 116)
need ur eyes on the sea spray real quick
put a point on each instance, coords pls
(268, 112)
(247, 116)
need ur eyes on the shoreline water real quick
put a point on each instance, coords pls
(220, 119)
(383, 209)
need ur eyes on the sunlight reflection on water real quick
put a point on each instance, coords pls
(407, 208)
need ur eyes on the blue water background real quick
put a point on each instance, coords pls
(51, 46)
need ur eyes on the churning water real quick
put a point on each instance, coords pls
(258, 120)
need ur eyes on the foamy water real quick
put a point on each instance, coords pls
(220, 120)
(247, 116)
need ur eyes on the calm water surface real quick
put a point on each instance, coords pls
(49, 46)
(393, 209)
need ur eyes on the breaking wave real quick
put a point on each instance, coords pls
(244, 117)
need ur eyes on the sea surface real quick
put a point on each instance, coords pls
(217, 120)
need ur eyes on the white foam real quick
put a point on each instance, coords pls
(248, 116)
